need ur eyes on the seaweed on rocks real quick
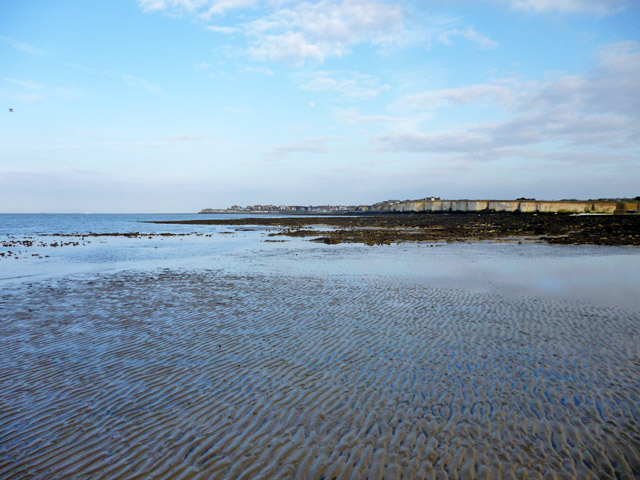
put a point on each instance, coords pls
(443, 227)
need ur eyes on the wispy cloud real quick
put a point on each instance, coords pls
(186, 137)
(137, 82)
(497, 93)
(578, 113)
(347, 84)
(480, 39)
(592, 7)
(220, 7)
(298, 32)
(610, 87)
(202, 67)
(127, 78)
(308, 145)
(30, 98)
(259, 70)
(204, 8)
(408, 122)
(292, 48)
(445, 142)
(493, 141)
(313, 31)
(30, 84)
(22, 46)
(221, 29)
(352, 116)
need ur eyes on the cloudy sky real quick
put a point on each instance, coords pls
(178, 105)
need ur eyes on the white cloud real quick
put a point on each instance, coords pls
(308, 31)
(502, 94)
(578, 133)
(596, 111)
(347, 84)
(409, 122)
(291, 48)
(569, 129)
(611, 87)
(202, 67)
(204, 8)
(352, 116)
(220, 7)
(259, 70)
(158, 5)
(297, 32)
(595, 7)
(220, 29)
(446, 142)
(481, 40)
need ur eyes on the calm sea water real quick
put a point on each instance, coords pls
(39, 224)
(197, 245)
(602, 275)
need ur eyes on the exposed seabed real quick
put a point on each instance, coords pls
(206, 373)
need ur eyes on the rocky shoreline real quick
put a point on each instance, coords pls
(391, 228)
(395, 228)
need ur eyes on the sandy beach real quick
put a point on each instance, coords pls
(207, 374)
(320, 240)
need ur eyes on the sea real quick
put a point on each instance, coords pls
(215, 351)
(608, 275)
(108, 253)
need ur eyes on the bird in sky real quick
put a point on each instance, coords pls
(11, 110)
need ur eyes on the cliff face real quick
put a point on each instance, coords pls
(437, 205)
(524, 206)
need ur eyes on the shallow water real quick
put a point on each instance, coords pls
(229, 357)
(109, 253)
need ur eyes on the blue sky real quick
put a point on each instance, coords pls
(178, 105)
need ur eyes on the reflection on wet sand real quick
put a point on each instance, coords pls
(203, 374)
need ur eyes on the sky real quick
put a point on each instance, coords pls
(178, 105)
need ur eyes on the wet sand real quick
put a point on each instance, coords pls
(205, 374)
(438, 227)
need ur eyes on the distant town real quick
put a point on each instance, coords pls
(309, 208)
(435, 204)
(282, 209)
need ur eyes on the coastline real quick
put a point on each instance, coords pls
(435, 204)
(450, 227)
(205, 351)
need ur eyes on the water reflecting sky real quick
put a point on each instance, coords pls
(601, 275)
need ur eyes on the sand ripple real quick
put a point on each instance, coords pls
(206, 375)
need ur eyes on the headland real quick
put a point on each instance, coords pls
(435, 205)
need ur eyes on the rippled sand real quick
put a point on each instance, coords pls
(208, 375)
